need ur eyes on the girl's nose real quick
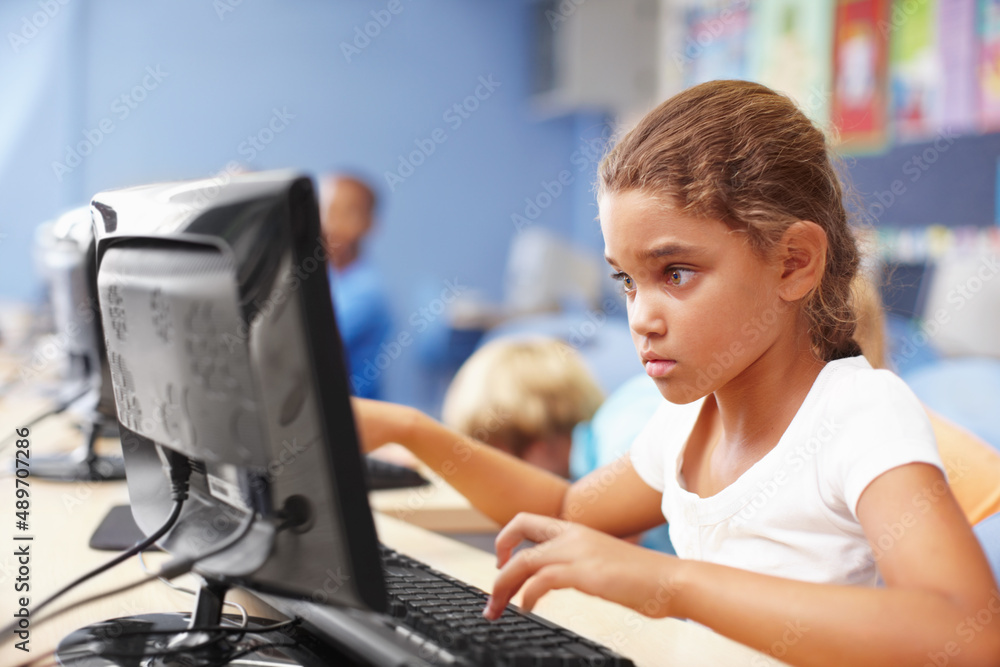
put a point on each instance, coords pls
(645, 314)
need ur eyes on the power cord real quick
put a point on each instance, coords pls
(182, 589)
(58, 409)
(172, 569)
(225, 630)
(180, 474)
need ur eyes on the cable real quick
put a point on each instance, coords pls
(179, 485)
(101, 596)
(235, 656)
(172, 569)
(228, 629)
(128, 553)
(180, 649)
(237, 535)
(182, 589)
(60, 407)
(252, 649)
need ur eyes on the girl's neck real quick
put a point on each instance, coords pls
(757, 406)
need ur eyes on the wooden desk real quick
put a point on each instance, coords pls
(649, 642)
(437, 507)
(63, 517)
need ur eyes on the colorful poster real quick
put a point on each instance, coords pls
(859, 88)
(792, 47)
(914, 68)
(989, 65)
(715, 45)
(958, 47)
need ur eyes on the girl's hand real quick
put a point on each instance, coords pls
(570, 555)
(378, 422)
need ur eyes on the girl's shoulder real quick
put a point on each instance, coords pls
(863, 422)
(851, 386)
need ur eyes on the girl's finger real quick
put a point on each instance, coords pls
(549, 578)
(526, 526)
(521, 567)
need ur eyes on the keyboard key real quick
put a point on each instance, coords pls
(449, 613)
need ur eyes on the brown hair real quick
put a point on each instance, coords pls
(741, 153)
(870, 332)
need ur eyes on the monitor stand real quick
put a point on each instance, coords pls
(160, 640)
(83, 463)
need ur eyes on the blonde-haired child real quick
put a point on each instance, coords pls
(793, 476)
(524, 396)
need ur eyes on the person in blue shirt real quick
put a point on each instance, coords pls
(359, 299)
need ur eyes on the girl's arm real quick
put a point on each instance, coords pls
(940, 605)
(500, 485)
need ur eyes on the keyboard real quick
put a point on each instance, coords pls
(383, 475)
(436, 620)
(445, 616)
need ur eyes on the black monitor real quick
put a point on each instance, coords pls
(903, 287)
(226, 360)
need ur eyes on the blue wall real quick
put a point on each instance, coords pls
(198, 82)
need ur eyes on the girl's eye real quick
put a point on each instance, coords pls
(628, 285)
(678, 277)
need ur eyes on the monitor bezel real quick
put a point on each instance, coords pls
(115, 226)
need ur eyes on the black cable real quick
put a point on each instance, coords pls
(172, 569)
(59, 408)
(252, 649)
(175, 512)
(228, 629)
(179, 492)
(166, 652)
(243, 610)
(123, 556)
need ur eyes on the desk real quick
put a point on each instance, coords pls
(63, 516)
(437, 507)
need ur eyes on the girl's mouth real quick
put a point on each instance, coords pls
(659, 367)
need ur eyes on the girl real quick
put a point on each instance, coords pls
(792, 475)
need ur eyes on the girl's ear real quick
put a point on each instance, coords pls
(802, 252)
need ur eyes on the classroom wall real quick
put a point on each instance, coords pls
(176, 89)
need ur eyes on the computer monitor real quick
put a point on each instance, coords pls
(225, 357)
(903, 288)
(65, 255)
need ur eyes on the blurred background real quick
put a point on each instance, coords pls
(480, 125)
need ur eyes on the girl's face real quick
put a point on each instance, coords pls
(702, 306)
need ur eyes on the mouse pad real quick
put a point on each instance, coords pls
(118, 531)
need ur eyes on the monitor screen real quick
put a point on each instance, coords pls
(223, 350)
(903, 288)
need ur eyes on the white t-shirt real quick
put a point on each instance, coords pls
(794, 512)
